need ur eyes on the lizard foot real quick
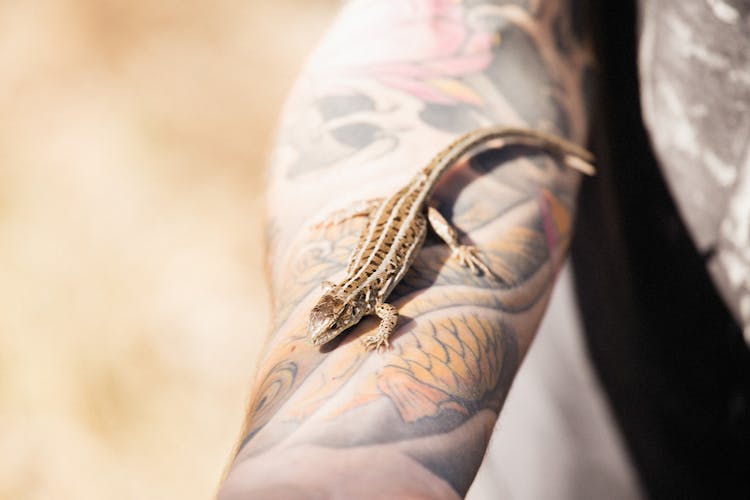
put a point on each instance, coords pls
(376, 342)
(468, 256)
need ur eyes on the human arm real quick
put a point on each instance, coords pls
(391, 84)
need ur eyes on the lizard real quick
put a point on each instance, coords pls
(395, 231)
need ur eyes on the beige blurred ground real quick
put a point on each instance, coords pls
(133, 136)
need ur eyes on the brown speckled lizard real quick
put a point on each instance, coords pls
(396, 229)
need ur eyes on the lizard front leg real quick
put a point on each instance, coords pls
(357, 209)
(467, 255)
(388, 319)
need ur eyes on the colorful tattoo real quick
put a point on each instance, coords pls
(393, 82)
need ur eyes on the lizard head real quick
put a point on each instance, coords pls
(330, 316)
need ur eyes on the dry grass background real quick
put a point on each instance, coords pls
(133, 136)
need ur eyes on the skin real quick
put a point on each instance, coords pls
(393, 82)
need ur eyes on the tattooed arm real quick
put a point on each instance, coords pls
(391, 84)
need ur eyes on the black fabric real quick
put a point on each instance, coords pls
(671, 358)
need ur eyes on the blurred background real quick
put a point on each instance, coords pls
(133, 138)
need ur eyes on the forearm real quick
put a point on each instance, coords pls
(392, 83)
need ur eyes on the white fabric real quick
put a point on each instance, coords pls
(555, 438)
